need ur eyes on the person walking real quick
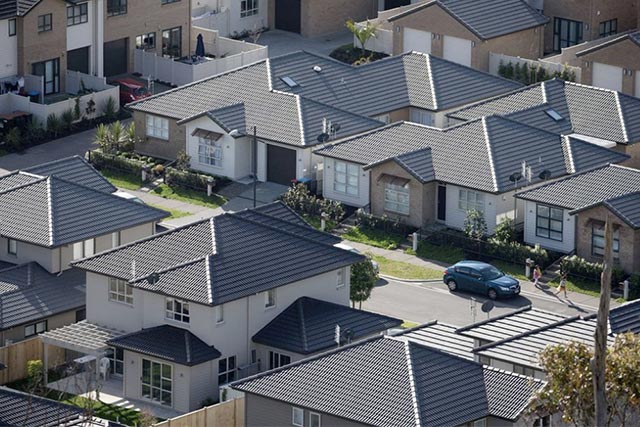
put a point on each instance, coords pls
(562, 287)
(537, 274)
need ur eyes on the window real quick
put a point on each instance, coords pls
(120, 291)
(177, 310)
(248, 8)
(35, 329)
(314, 419)
(597, 240)
(270, 298)
(345, 178)
(50, 70)
(543, 421)
(566, 33)
(277, 360)
(116, 359)
(608, 28)
(116, 7)
(44, 23)
(523, 370)
(172, 42)
(157, 127)
(549, 222)
(209, 152)
(157, 381)
(340, 279)
(396, 196)
(77, 14)
(421, 116)
(146, 41)
(480, 423)
(220, 313)
(83, 249)
(115, 239)
(297, 417)
(468, 200)
(226, 370)
(12, 247)
(12, 27)
(384, 118)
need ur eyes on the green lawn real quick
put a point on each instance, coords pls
(122, 180)
(189, 196)
(404, 270)
(511, 269)
(175, 213)
(106, 411)
(314, 221)
(376, 238)
(578, 285)
(446, 254)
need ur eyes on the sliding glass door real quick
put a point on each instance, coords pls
(157, 382)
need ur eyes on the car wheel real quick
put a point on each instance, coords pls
(453, 286)
(492, 294)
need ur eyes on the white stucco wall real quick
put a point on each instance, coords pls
(8, 51)
(568, 231)
(229, 161)
(47, 258)
(81, 35)
(362, 199)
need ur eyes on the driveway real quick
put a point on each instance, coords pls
(282, 42)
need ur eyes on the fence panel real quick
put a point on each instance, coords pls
(15, 357)
(225, 414)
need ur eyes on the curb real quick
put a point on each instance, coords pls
(397, 279)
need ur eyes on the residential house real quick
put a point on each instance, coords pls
(420, 175)
(466, 32)
(308, 327)
(52, 214)
(600, 116)
(387, 381)
(210, 286)
(297, 101)
(569, 214)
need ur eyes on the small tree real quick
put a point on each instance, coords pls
(363, 34)
(14, 139)
(475, 227)
(35, 375)
(54, 125)
(67, 120)
(183, 160)
(363, 279)
(109, 109)
(505, 232)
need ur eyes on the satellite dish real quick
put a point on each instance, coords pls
(323, 137)
(487, 306)
(335, 127)
(514, 177)
(545, 174)
(153, 278)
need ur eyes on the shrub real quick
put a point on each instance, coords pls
(109, 109)
(76, 109)
(14, 139)
(54, 125)
(108, 161)
(505, 232)
(67, 120)
(189, 179)
(183, 160)
(634, 286)
(475, 227)
(517, 252)
(384, 223)
(35, 374)
(581, 268)
(34, 131)
(301, 200)
(158, 170)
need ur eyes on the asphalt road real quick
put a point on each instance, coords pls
(423, 302)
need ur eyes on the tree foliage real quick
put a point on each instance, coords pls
(363, 279)
(569, 388)
(116, 137)
(362, 33)
(505, 231)
(475, 227)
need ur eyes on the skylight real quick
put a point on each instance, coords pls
(554, 114)
(289, 81)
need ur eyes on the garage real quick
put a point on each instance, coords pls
(281, 165)
(288, 15)
(417, 40)
(116, 57)
(78, 60)
(457, 50)
(607, 76)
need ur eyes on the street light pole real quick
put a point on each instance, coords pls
(255, 164)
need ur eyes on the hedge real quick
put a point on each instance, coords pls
(578, 267)
(190, 179)
(101, 160)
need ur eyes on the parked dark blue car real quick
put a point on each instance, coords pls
(481, 278)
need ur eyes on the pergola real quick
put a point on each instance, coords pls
(83, 337)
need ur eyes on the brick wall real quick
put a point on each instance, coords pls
(159, 147)
(624, 54)
(329, 16)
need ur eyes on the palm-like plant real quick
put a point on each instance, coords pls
(362, 33)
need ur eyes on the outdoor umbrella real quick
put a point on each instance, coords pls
(200, 46)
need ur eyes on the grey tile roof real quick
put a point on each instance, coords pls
(626, 207)
(586, 110)
(308, 326)
(586, 189)
(74, 169)
(168, 343)
(487, 19)
(625, 318)
(29, 293)
(523, 349)
(225, 257)
(13, 8)
(52, 212)
(22, 410)
(604, 42)
(440, 336)
(418, 163)
(390, 382)
(16, 179)
(510, 324)
(479, 154)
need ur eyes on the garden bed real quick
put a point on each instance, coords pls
(350, 54)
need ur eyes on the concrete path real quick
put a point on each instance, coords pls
(283, 42)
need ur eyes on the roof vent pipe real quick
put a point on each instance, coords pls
(317, 68)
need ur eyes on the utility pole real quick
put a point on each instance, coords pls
(598, 363)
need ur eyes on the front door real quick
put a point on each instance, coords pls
(442, 202)
(288, 15)
(281, 165)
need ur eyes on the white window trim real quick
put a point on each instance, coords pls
(210, 150)
(84, 249)
(220, 314)
(117, 293)
(171, 313)
(340, 278)
(155, 127)
(151, 387)
(464, 204)
(228, 370)
(35, 328)
(348, 172)
(384, 118)
(12, 243)
(255, 10)
(422, 117)
(297, 411)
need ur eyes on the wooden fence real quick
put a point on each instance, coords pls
(15, 357)
(225, 414)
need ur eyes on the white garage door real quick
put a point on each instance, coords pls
(457, 50)
(637, 73)
(607, 76)
(417, 40)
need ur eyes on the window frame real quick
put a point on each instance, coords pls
(117, 7)
(270, 299)
(177, 310)
(43, 26)
(550, 219)
(340, 278)
(170, 51)
(247, 11)
(351, 170)
(317, 416)
(52, 85)
(210, 152)
(79, 14)
(120, 291)
(417, 115)
(36, 330)
(87, 248)
(398, 191)
(153, 130)
(142, 41)
(152, 385)
(228, 373)
(219, 313)
(297, 411)
(12, 247)
(559, 37)
(278, 360)
(12, 26)
(600, 235)
(465, 204)
(612, 30)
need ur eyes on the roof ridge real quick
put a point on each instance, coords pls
(499, 96)
(573, 175)
(50, 209)
(623, 124)
(566, 142)
(300, 119)
(137, 279)
(489, 147)
(492, 319)
(412, 384)
(306, 227)
(432, 82)
(38, 180)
